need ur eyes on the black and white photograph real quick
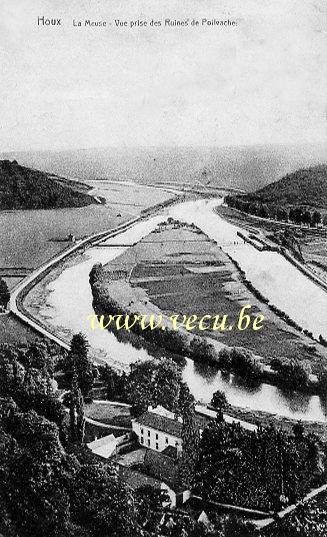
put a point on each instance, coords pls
(163, 268)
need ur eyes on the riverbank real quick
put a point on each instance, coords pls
(255, 224)
(265, 419)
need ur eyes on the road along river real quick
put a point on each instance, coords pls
(68, 303)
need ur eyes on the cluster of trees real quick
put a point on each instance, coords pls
(308, 520)
(240, 361)
(26, 376)
(297, 215)
(4, 293)
(265, 469)
(291, 373)
(49, 484)
(46, 489)
(24, 188)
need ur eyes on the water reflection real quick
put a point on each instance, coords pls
(258, 397)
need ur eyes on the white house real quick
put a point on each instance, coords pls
(157, 429)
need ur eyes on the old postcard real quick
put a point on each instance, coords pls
(163, 268)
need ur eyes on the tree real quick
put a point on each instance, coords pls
(219, 401)
(224, 359)
(153, 382)
(244, 363)
(297, 214)
(190, 436)
(308, 520)
(306, 218)
(115, 382)
(4, 293)
(102, 504)
(38, 355)
(298, 430)
(322, 383)
(200, 348)
(316, 218)
(31, 388)
(167, 382)
(140, 386)
(79, 360)
(186, 526)
(281, 214)
(37, 484)
(76, 412)
(291, 373)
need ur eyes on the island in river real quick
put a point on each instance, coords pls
(178, 269)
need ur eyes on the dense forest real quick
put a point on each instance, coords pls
(299, 197)
(25, 188)
(50, 484)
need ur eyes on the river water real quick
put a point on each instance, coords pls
(69, 303)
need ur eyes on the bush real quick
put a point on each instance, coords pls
(224, 359)
(244, 364)
(201, 348)
(291, 373)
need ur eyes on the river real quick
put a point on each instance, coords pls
(69, 303)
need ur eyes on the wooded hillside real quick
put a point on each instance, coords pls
(25, 188)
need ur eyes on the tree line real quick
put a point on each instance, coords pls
(297, 215)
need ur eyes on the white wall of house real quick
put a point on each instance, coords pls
(154, 439)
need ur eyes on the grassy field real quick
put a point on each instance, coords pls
(182, 271)
(13, 331)
(109, 414)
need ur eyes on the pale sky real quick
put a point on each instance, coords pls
(263, 81)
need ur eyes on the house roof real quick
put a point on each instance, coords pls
(104, 447)
(161, 466)
(160, 423)
(136, 479)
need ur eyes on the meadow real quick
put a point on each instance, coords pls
(109, 413)
(178, 270)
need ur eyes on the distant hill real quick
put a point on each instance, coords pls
(304, 187)
(299, 197)
(26, 188)
(248, 168)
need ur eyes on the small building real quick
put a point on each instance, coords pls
(104, 447)
(157, 429)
